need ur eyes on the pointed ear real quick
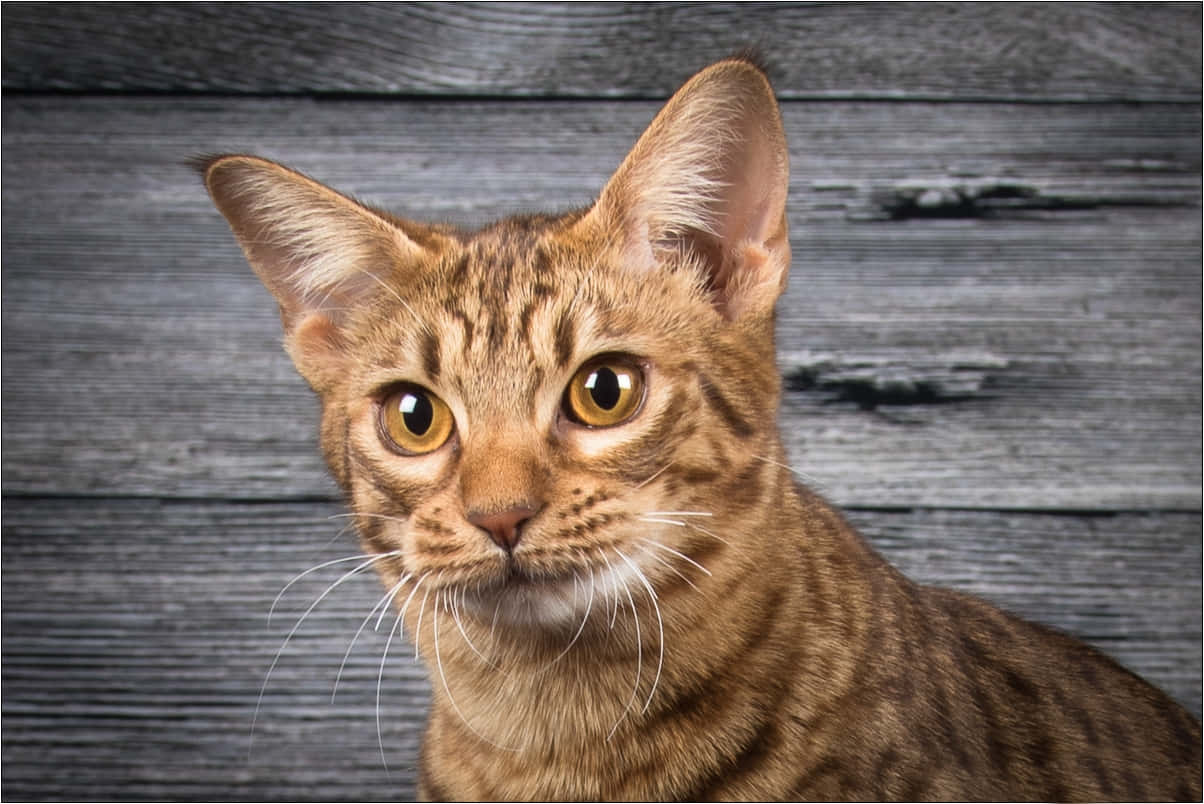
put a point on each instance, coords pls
(321, 254)
(708, 180)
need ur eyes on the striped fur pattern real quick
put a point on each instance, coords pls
(662, 612)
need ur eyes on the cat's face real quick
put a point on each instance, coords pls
(548, 404)
(538, 414)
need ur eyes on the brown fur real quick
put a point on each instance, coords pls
(679, 620)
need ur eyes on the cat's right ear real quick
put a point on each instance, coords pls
(708, 181)
(320, 253)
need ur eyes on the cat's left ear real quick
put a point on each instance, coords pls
(708, 178)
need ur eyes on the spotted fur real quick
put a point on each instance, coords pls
(677, 618)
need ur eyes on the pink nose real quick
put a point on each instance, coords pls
(504, 527)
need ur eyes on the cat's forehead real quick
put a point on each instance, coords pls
(495, 282)
(507, 313)
(489, 317)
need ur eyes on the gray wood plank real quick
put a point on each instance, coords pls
(817, 50)
(1031, 348)
(135, 643)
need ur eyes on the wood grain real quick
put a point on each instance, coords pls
(1025, 355)
(995, 305)
(970, 51)
(135, 643)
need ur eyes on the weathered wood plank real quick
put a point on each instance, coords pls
(1040, 355)
(940, 50)
(135, 644)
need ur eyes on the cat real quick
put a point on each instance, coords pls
(558, 438)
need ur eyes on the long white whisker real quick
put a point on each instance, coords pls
(338, 535)
(380, 676)
(639, 663)
(660, 662)
(455, 613)
(678, 513)
(672, 569)
(714, 536)
(812, 482)
(300, 621)
(680, 555)
(369, 515)
(405, 606)
(676, 522)
(397, 296)
(418, 625)
(383, 602)
(589, 603)
(451, 699)
(493, 625)
(679, 523)
(614, 583)
(324, 565)
(654, 475)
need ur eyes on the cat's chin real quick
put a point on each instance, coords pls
(522, 599)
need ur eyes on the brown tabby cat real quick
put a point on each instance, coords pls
(558, 437)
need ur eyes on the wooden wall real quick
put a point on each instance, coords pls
(991, 340)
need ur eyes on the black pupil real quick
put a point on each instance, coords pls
(605, 388)
(417, 412)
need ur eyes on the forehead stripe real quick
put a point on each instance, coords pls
(564, 339)
(430, 355)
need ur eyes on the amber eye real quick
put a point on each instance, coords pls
(414, 420)
(605, 391)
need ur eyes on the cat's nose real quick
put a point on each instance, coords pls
(504, 527)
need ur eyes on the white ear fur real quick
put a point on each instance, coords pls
(708, 179)
(319, 252)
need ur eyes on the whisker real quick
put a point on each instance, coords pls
(380, 676)
(442, 675)
(589, 603)
(680, 555)
(660, 662)
(324, 565)
(455, 612)
(690, 525)
(383, 602)
(300, 621)
(614, 587)
(396, 295)
(338, 535)
(676, 522)
(370, 516)
(395, 629)
(418, 625)
(678, 513)
(713, 535)
(639, 663)
(812, 482)
(406, 605)
(654, 475)
(672, 569)
(493, 625)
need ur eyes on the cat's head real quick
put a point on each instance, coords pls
(513, 410)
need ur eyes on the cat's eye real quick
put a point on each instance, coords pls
(606, 391)
(414, 420)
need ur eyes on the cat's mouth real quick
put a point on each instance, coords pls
(541, 597)
(517, 577)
